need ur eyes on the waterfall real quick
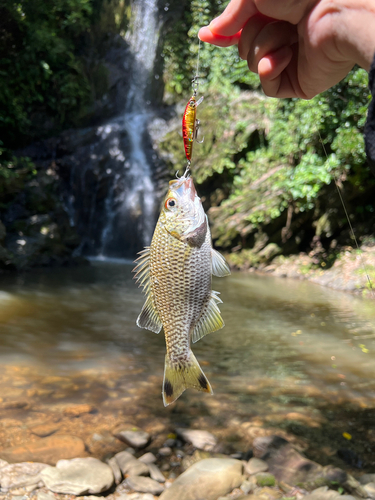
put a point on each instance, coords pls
(111, 192)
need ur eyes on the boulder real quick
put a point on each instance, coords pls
(78, 476)
(208, 479)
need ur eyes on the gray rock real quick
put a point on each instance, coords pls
(148, 458)
(144, 485)
(208, 479)
(44, 495)
(247, 486)
(289, 466)
(156, 473)
(255, 465)
(324, 493)
(112, 462)
(203, 440)
(78, 476)
(370, 489)
(366, 478)
(131, 465)
(136, 439)
(20, 475)
(166, 451)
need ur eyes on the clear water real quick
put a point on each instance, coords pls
(288, 348)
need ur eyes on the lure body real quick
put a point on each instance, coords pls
(189, 126)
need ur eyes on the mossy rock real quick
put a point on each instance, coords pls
(265, 479)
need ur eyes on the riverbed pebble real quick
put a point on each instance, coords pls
(203, 440)
(155, 473)
(144, 485)
(134, 438)
(112, 462)
(20, 475)
(148, 458)
(255, 465)
(208, 479)
(128, 464)
(78, 476)
(165, 451)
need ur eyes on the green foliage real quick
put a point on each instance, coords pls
(261, 156)
(45, 79)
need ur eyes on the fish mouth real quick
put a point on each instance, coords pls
(182, 186)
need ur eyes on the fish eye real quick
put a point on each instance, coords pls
(170, 204)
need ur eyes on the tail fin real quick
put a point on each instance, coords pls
(178, 377)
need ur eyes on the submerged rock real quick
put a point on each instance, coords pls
(78, 476)
(208, 479)
(203, 440)
(48, 450)
(134, 438)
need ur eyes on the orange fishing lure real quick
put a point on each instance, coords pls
(190, 125)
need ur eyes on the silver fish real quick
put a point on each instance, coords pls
(176, 274)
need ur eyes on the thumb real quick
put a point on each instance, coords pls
(234, 17)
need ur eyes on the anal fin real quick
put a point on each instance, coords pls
(210, 320)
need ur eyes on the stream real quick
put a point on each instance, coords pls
(293, 357)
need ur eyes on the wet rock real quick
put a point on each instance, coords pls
(208, 479)
(78, 410)
(255, 465)
(265, 479)
(148, 458)
(366, 478)
(112, 462)
(45, 430)
(198, 455)
(48, 450)
(324, 493)
(43, 495)
(78, 476)
(20, 475)
(165, 451)
(156, 473)
(370, 489)
(144, 485)
(135, 438)
(203, 440)
(130, 465)
(289, 466)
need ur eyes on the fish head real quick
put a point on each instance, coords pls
(182, 212)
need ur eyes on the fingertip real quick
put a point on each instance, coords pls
(205, 34)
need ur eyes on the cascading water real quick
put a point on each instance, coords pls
(111, 192)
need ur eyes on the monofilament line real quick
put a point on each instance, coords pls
(348, 219)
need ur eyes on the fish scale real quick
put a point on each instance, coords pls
(176, 274)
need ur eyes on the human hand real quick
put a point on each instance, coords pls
(299, 48)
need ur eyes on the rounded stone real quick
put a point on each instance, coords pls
(79, 476)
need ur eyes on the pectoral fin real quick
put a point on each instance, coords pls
(210, 320)
(220, 267)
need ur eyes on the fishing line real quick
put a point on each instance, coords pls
(349, 222)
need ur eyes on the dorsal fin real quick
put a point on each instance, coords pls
(210, 320)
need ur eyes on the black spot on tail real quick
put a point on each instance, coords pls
(202, 381)
(168, 388)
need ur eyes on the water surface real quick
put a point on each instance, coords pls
(293, 356)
